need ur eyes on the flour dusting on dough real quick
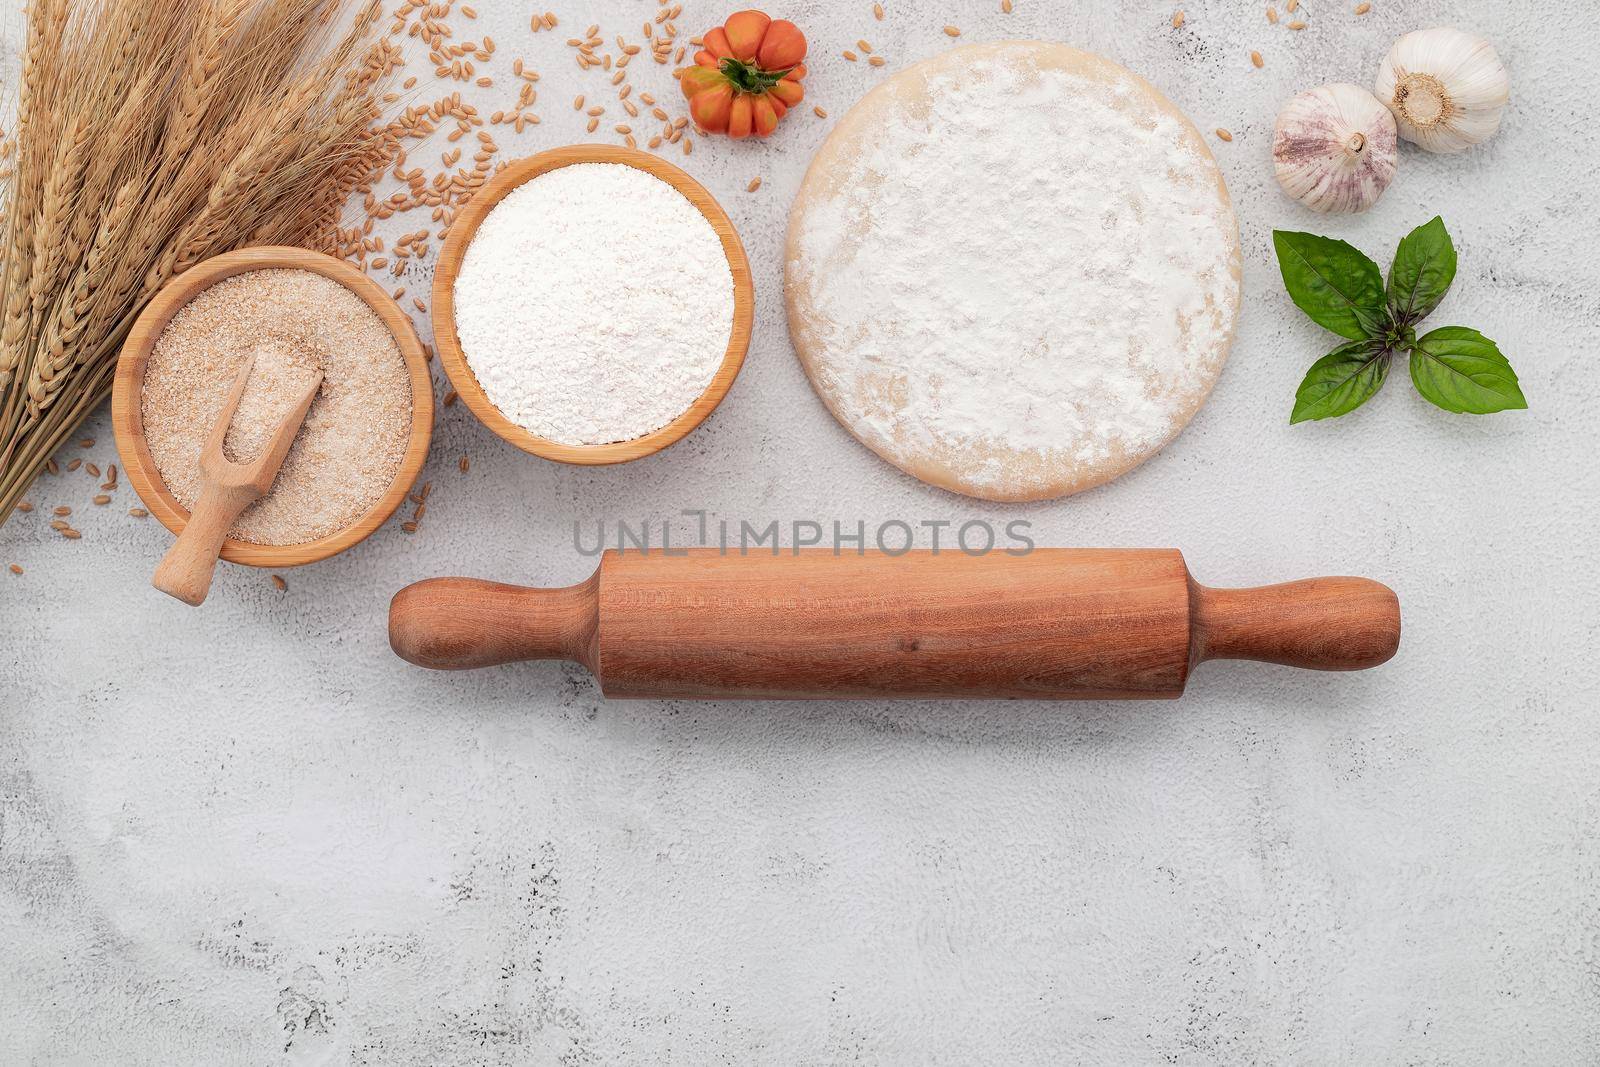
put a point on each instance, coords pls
(1025, 272)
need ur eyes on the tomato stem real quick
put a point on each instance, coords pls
(749, 78)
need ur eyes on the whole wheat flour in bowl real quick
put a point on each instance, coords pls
(1013, 270)
(286, 324)
(594, 304)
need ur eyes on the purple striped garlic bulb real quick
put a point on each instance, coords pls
(1335, 148)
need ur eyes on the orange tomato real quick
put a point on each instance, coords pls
(763, 116)
(696, 80)
(746, 75)
(712, 110)
(790, 92)
(782, 47)
(745, 30)
(741, 117)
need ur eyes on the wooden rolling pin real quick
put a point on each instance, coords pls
(1058, 623)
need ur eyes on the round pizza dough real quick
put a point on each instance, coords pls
(1013, 270)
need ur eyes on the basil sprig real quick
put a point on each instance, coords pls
(1343, 291)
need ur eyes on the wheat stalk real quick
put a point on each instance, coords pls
(148, 137)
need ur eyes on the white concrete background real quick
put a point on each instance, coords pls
(248, 834)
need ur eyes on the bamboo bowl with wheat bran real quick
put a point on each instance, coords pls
(454, 359)
(128, 422)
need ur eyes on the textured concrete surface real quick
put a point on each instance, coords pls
(247, 834)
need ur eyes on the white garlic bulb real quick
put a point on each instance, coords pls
(1446, 88)
(1335, 148)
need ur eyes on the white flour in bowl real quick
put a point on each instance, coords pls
(594, 304)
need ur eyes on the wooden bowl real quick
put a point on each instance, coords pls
(454, 251)
(128, 422)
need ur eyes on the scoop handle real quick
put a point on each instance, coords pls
(1321, 624)
(186, 570)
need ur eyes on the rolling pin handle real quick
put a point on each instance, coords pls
(1322, 624)
(455, 624)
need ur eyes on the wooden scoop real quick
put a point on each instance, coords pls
(226, 489)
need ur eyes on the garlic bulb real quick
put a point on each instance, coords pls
(1335, 148)
(1446, 88)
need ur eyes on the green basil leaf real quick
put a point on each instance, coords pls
(1461, 370)
(1341, 381)
(1424, 266)
(1333, 282)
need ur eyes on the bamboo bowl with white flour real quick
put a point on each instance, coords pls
(279, 310)
(592, 304)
